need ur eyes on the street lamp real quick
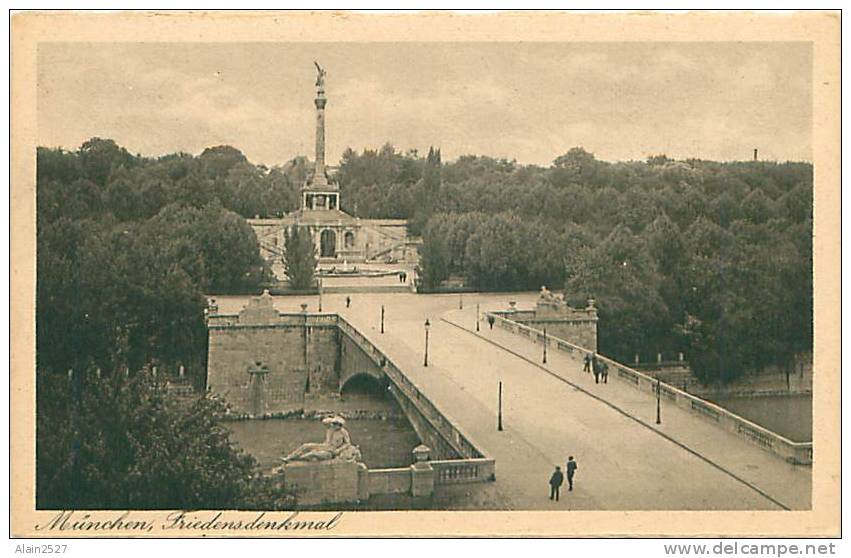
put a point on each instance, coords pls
(545, 345)
(382, 318)
(499, 412)
(427, 326)
(658, 400)
(460, 302)
(320, 294)
(477, 316)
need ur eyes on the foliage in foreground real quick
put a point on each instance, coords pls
(123, 442)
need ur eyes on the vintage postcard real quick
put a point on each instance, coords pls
(283, 274)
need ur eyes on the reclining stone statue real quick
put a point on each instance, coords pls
(337, 445)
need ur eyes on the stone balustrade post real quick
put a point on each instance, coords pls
(422, 473)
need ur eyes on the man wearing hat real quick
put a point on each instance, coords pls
(555, 483)
(571, 470)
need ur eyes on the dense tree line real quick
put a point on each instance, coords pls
(126, 249)
(712, 259)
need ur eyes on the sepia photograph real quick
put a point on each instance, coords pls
(299, 268)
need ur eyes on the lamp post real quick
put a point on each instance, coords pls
(545, 345)
(477, 316)
(320, 294)
(499, 411)
(427, 326)
(658, 400)
(460, 302)
(382, 318)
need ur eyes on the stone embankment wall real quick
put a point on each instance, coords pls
(577, 325)
(303, 356)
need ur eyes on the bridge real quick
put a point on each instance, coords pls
(626, 461)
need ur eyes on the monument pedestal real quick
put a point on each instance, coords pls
(324, 482)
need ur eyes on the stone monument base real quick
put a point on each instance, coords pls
(326, 482)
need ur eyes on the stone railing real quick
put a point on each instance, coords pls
(459, 471)
(440, 422)
(285, 319)
(404, 480)
(794, 452)
(395, 480)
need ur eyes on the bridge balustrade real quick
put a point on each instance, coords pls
(447, 429)
(460, 471)
(794, 452)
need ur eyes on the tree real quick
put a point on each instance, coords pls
(428, 191)
(121, 442)
(230, 250)
(435, 257)
(758, 207)
(100, 157)
(575, 166)
(299, 257)
(619, 274)
(219, 160)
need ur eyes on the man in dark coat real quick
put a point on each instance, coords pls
(555, 483)
(571, 470)
(587, 367)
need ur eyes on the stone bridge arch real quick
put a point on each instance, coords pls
(364, 383)
(355, 362)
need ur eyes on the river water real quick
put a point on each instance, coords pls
(790, 416)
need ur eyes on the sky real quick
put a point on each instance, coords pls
(525, 101)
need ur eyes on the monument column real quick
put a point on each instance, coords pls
(320, 101)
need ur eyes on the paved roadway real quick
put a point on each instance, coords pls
(624, 462)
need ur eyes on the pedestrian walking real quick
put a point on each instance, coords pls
(348, 301)
(491, 320)
(571, 470)
(555, 483)
(597, 365)
(587, 367)
(604, 373)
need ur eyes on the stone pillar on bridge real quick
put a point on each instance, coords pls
(422, 473)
